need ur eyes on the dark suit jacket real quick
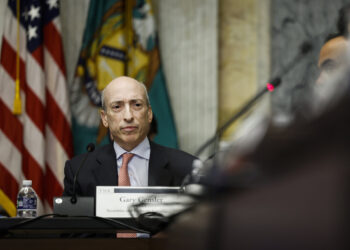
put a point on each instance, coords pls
(167, 167)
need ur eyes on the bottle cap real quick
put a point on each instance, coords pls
(27, 182)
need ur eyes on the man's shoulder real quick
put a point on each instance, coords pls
(170, 152)
(92, 155)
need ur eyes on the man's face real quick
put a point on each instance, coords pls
(126, 114)
(332, 58)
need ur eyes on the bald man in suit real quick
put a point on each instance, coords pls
(127, 113)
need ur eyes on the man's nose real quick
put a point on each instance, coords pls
(321, 78)
(128, 115)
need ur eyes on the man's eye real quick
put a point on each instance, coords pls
(138, 105)
(329, 66)
(116, 107)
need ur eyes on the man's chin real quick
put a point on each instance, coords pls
(132, 137)
(130, 141)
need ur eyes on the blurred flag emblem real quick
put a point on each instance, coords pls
(120, 39)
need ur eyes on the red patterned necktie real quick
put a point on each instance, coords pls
(123, 176)
(124, 180)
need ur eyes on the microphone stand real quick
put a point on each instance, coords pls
(269, 88)
(304, 48)
(90, 148)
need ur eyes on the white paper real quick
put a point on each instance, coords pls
(115, 201)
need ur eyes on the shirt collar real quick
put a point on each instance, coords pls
(142, 150)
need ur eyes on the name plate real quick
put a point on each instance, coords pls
(117, 202)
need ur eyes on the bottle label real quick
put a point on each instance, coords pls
(26, 203)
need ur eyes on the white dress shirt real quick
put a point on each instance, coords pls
(138, 165)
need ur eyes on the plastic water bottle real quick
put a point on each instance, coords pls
(27, 201)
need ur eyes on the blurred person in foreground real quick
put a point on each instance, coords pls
(333, 56)
(127, 113)
(289, 190)
(334, 52)
(333, 64)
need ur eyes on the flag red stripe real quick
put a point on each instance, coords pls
(11, 126)
(32, 171)
(39, 55)
(53, 43)
(52, 186)
(8, 61)
(34, 107)
(58, 124)
(8, 184)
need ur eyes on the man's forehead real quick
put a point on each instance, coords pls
(127, 84)
(125, 91)
(124, 96)
(335, 50)
(126, 100)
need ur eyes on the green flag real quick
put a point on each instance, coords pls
(119, 39)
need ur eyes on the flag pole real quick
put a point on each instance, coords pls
(129, 37)
(17, 110)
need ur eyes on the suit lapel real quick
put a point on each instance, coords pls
(105, 172)
(158, 172)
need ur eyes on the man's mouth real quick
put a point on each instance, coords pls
(129, 128)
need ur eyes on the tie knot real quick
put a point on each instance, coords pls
(127, 157)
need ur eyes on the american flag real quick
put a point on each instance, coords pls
(35, 144)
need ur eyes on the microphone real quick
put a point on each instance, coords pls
(70, 205)
(197, 166)
(304, 48)
(90, 148)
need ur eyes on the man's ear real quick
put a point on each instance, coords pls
(150, 114)
(104, 117)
